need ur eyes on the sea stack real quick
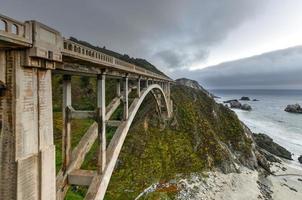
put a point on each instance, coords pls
(295, 108)
(245, 98)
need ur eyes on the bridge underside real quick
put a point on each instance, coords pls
(30, 53)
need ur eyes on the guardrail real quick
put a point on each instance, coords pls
(84, 52)
(80, 51)
(16, 31)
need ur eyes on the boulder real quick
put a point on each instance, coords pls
(265, 142)
(235, 104)
(300, 159)
(255, 100)
(245, 98)
(295, 108)
(246, 107)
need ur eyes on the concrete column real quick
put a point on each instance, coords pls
(126, 102)
(101, 122)
(66, 134)
(147, 83)
(118, 88)
(139, 87)
(27, 153)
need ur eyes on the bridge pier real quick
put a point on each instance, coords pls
(101, 122)
(27, 153)
(126, 102)
(138, 87)
(66, 131)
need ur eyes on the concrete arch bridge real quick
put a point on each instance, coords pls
(30, 52)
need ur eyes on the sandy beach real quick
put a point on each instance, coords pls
(248, 184)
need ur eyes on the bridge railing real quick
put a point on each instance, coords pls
(11, 29)
(81, 51)
(47, 43)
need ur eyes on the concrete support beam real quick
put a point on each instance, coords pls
(138, 88)
(101, 122)
(126, 102)
(81, 177)
(66, 135)
(113, 123)
(82, 114)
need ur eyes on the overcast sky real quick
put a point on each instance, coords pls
(175, 35)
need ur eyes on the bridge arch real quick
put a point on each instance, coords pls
(117, 142)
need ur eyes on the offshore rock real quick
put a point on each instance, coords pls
(300, 159)
(245, 98)
(246, 107)
(295, 108)
(235, 104)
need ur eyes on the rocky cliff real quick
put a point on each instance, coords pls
(193, 84)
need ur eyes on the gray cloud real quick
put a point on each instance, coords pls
(171, 34)
(275, 70)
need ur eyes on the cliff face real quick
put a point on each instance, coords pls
(193, 84)
(201, 136)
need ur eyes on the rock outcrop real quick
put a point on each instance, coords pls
(295, 108)
(300, 159)
(235, 104)
(246, 107)
(267, 143)
(229, 101)
(245, 98)
(194, 84)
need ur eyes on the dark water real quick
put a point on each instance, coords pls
(268, 115)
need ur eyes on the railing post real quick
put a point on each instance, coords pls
(101, 122)
(147, 83)
(139, 87)
(126, 98)
(66, 146)
(118, 88)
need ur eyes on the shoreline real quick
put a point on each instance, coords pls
(247, 184)
(275, 122)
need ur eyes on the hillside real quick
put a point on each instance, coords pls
(201, 136)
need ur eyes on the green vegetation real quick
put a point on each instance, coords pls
(199, 137)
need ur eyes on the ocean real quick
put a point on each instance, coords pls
(268, 115)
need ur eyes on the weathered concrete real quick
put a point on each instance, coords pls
(81, 177)
(101, 123)
(29, 53)
(126, 101)
(26, 143)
